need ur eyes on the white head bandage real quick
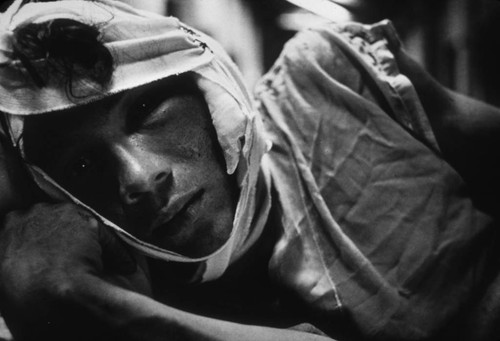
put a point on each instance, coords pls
(145, 47)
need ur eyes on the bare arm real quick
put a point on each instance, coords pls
(55, 285)
(467, 131)
(136, 317)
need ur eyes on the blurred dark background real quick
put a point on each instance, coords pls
(458, 41)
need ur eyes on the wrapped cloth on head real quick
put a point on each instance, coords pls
(145, 48)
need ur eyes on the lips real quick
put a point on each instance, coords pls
(173, 218)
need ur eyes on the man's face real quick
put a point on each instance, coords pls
(148, 160)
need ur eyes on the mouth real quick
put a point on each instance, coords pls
(173, 220)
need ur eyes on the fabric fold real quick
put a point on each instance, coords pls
(147, 47)
(367, 201)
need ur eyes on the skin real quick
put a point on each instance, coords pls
(64, 276)
(466, 131)
(60, 272)
(147, 160)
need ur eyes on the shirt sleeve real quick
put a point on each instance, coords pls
(375, 224)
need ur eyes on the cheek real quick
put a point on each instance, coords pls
(210, 161)
(178, 148)
(189, 143)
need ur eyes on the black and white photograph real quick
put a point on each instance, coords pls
(250, 170)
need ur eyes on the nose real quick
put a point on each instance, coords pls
(142, 175)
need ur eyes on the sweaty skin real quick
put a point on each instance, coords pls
(64, 278)
(148, 157)
(122, 157)
(147, 160)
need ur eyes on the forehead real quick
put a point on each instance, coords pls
(163, 89)
(115, 114)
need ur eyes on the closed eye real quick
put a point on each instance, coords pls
(142, 112)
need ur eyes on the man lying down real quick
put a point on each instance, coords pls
(174, 208)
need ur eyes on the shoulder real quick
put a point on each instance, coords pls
(346, 53)
(320, 72)
(343, 65)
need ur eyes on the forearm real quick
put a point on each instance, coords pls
(131, 316)
(450, 112)
(467, 131)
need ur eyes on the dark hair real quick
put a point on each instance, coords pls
(62, 48)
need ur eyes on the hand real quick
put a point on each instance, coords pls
(44, 253)
(59, 281)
